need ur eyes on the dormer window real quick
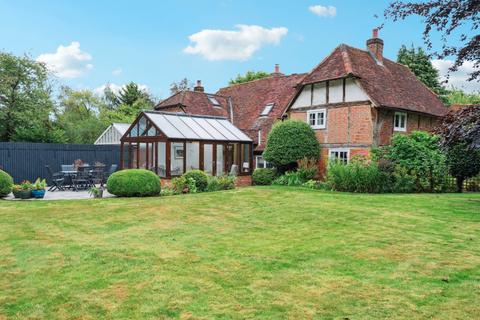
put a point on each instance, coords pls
(400, 121)
(213, 100)
(267, 109)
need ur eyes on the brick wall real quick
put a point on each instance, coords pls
(345, 125)
(414, 122)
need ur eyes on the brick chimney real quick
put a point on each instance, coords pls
(375, 46)
(199, 87)
(276, 71)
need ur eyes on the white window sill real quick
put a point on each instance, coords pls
(400, 129)
(317, 128)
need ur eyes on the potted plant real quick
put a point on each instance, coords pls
(16, 188)
(96, 192)
(25, 191)
(38, 190)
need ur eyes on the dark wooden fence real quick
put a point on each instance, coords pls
(27, 161)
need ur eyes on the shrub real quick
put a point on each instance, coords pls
(403, 182)
(290, 178)
(463, 163)
(419, 153)
(307, 169)
(290, 141)
(358, 176)
(134, 183)
(167, 191)
(6, 183)
(263, 176)
(184, 184)
(221, 183)
(200, 178)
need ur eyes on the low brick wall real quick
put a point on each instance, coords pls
(243, 181)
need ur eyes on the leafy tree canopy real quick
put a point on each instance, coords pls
(182, 85)
(249, 76)
(25, 100)
(419, 62)
(448, 18)
(457, 96)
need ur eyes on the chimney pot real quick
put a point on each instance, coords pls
(375, 33)
(199, 87)
(277, 68)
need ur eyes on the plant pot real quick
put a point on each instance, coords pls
(17, 194)
(38, 194)
(25, 194)
(99, 194)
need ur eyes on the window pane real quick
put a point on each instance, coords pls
(245, 161)
(220, 160)
(232, 154)
(176, 158)
(142, 126)
(312, 119)
(208, 158)
(193, 156)
(133, 154)
(151, 157)
(396, 121)
(260, 163)
(162, 159)
(126, 155)
(321, 119)
(142, 160)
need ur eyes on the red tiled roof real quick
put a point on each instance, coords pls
(193, 102)
(389, 85)
(250, 98)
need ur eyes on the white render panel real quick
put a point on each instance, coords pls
(353, 92)
(304, 99)
(335, 91)
(319, 93)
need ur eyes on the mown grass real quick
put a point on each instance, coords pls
(263, 252)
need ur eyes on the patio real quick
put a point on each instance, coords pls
(64, 195)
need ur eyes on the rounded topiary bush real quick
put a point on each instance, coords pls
(290, 141)
(6, 183)
(263, 176)
(134, 183)
(200, 177)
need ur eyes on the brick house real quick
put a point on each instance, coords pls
(357, 99)
(354, 100)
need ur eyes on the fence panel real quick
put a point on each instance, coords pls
(27, 161)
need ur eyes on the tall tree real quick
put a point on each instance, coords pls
(418, 61)
(25, 102)
(79, 115)
(460, 139)
(447, 17)
(182, 85)
(125, 105)
(249, 76)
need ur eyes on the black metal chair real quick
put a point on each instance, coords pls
(112, 169)
(97, 175)
(81, 181)
(56, 178)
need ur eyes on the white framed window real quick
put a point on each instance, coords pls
(317, 118)
(213, 100)
(261, 163)
(339, 154)
(400, 121)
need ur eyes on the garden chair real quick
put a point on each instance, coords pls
(82, 180)
(56, 178)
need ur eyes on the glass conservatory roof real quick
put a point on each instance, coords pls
(192, 127)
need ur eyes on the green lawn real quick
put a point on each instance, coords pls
(264, 252)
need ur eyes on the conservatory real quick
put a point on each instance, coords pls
(170, 144)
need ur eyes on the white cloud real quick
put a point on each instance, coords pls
(117, 71)
(459, 78)
(116, 88)
(67, 62)
(238, 44)
(323, 11)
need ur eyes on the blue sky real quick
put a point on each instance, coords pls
(154, 43)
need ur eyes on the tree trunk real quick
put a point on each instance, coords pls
(460, 184)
